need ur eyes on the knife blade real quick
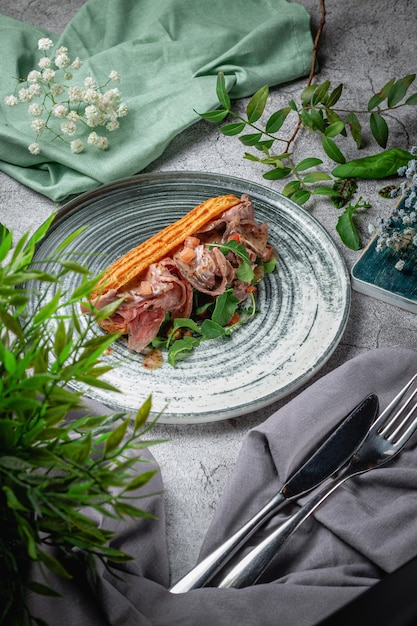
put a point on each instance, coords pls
(331, 455)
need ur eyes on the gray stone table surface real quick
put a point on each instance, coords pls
(364, 44)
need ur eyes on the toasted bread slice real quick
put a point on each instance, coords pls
(131, 265)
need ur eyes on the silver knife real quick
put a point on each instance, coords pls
(334, 452)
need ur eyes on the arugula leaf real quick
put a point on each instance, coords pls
(213, 330)
(226, 305)
(181, 348)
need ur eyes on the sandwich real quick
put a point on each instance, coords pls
(197, 258)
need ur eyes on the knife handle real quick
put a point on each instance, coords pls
(204, 571)
(249, 569)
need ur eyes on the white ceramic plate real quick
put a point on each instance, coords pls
(304, 304)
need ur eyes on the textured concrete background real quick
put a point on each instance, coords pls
(364, 44)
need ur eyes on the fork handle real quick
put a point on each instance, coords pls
(249, 569)
(204, 571)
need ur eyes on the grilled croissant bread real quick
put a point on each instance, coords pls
(158, 276)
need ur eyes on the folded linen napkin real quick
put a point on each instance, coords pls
(366, 529)
(168, 53)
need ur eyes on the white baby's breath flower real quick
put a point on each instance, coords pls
(68, 127)
(62, 61)
(38, 125)
(34, 76)
(34, 148)
(44, 63)
(76, 64)
(11, 101)
(35, 90)
(57, 89)
(115, 76)
(25, 95)
(91, 96)
(48, 75)
(59, 110)
(75, 94)
(73, 116)
(112, 125)
(90, 83)
(122, 110)
(102, 143)
(92, 138)
(400, 265)
(111, 97)
(35, 109)
(45, 44)
(61, 106)
(77, 146)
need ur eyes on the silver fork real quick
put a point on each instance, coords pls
(387, 436)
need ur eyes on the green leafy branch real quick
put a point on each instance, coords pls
(316, 112)
(51, 468)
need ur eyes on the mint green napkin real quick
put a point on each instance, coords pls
(168, 53)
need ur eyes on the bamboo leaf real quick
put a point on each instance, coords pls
(116, 437)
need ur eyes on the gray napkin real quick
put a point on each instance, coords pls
(366, 529)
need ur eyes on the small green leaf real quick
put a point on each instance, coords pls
(212, 330)
(321, 93)
(276, 120)
(347, 229)
(250, 139)
(326, 191)
(332, 150)
(307, 93)
(277, 173)
(354, 124)
(256, 104)
(316, 177)
(334, 95)
(232, 129)
(380, 96)
(181, 349)
(334, 129)
(379, 128)
(399, 90)
(291, 187)
(221, 91)
(226, 305)
(305, 164)
(412, 100)
(301, 196)
(214, 116)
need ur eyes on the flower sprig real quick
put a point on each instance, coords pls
(68, 112)
(398, 231)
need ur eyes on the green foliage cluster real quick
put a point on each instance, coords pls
(316, 112)
(52, 468)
